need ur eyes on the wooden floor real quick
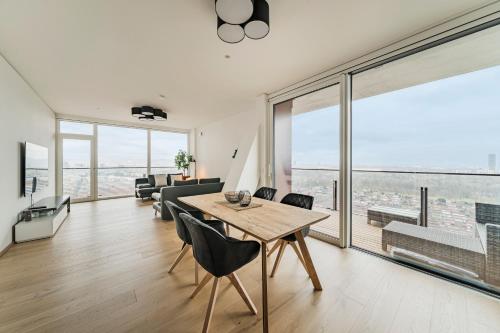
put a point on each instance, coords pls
(106, 271)
(364, 235)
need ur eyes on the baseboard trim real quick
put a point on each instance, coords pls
(4, 251)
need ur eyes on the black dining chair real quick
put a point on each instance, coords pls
(266, 193)
(301, 201)
(183, 232)
(220, 256)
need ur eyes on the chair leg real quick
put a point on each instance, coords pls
(242, 291)
(211, 304)
(195, 272)
(297, 252)
(202, 284)
(185, 249)
(227, 229)
(278, 257)
(275, 246)
(245, 235)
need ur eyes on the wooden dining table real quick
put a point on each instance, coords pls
(268, 222)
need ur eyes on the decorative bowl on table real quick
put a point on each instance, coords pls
(232, 196)
(245, 198)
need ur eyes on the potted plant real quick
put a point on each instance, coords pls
(182, 160)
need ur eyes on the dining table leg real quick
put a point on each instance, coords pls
(265, 311)
(308, 261)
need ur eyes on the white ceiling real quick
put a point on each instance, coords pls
(97, 58)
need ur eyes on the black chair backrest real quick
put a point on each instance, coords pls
(298, 200)
(180, 227)
(266, 193)
(217, 254)
(209, 180)
(151, 180)
(301, 201)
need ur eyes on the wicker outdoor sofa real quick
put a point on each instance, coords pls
(479, 256)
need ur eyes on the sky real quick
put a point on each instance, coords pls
(121, 146)
(448, 124)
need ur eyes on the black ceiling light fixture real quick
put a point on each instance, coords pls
(237, 18)
(148, 113)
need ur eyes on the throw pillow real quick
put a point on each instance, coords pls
(160, 180)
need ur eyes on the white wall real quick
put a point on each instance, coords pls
(23, 117)
(217, 141)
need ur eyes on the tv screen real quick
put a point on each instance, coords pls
(36, 164)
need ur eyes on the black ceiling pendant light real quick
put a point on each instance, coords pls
(147, 118)
(148, 113)
(230, 33)
(237, 18)
(257, 26)
(136, 112)
(159, 115)
(234, 11)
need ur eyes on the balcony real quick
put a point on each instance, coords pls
(451, 199)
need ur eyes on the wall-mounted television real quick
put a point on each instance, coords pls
(35, 169)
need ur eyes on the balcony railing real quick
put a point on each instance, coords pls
(451, 195)
(111, 181)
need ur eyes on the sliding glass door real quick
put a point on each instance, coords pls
(306, 153)
(425, 181)
(77, 168)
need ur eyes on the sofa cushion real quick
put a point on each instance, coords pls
(144, 186)
(209, 180)
(151, 180)
(185, 182)
(160, 180)
(156, 196)
(173, 176)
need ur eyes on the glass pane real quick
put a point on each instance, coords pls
(431, 121)
(118, 181)
(73, 127)
(156, 171)
(122, 157)
(76, 168)
(164, 147)
(307, 152)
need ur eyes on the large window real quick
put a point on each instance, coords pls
(164, 147)
(102, 161)
(425, 184)
(423, 181)
(122, 157)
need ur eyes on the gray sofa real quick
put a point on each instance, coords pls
(145, 187)
(172, 193)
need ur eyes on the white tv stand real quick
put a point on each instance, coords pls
(47, 223)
